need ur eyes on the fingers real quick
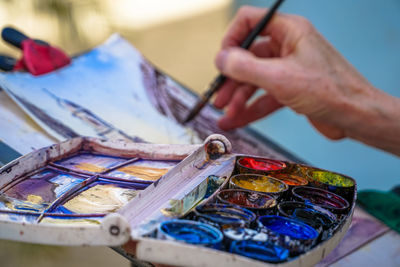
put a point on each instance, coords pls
(263, 106)
(239, 100)
(225, 93)
(243, 66)
(246, 19)
(265, 47)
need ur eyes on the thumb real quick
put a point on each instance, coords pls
(241, 65)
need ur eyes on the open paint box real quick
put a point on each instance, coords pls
(160, 199)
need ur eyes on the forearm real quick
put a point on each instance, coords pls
(377, 121)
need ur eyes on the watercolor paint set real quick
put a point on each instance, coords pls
(186, 205)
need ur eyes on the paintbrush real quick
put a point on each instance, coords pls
(217, 83)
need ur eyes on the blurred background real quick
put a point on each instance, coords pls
(182, 38)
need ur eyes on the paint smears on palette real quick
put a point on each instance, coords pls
(193, 201)
(80, 187)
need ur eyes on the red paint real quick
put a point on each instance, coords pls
(262, 164)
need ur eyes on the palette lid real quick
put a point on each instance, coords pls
(172, 193)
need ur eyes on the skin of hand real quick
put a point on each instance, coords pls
(299, 69)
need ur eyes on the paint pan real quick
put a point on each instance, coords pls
(259, 183)
(224, 215)
(262, 251)
(147, 170)
(90, 163)
(259, 203)
(320, 219)
(339, 184)
(322, 198)
(294, 235)
(232, 234)
(191, 232)
(100, 198)
(43, 187)
(261, 166)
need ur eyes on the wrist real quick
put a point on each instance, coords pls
(376, 120)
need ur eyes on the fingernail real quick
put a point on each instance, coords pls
(220, 59)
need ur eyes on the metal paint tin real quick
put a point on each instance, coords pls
(322, 198)
(224, 215)
(259, 203)
(339, 184)
(259, 183)
(191, 232)
(294, 235)
(262, 251)
(261, 166)
(319, 218)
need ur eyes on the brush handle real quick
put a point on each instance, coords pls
(260, 26)
(217, 83)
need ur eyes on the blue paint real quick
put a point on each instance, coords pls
(310, 214)
(62, 209)
(262, 251)
(191, 232)
(239, 234)
(289, 227)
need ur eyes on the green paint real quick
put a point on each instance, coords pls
(331, 178)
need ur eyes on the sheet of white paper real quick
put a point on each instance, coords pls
(102, 93)
(18, 130)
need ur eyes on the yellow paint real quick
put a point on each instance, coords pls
(34, 199)
(100, 199)
(89, 167)
(70, 221)
(262, 184)
(144, 173)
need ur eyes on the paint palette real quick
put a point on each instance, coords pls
(172, 202)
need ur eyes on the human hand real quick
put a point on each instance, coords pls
(298, 68)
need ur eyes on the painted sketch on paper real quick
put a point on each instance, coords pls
(112, 92)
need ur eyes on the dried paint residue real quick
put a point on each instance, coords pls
(84, 166)
(100, 199)
(144, 172)
(332, 178)
(70, 221)
(34, 203)
(260, 184)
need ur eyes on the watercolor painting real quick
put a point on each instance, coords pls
(112, 92)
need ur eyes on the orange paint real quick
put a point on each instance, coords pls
(89, 167)
(144, 173)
